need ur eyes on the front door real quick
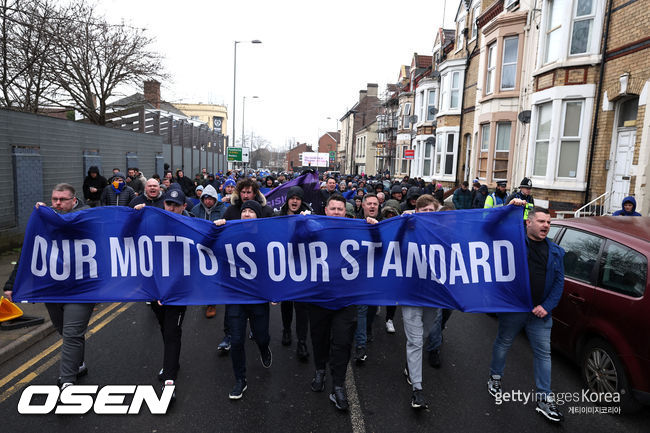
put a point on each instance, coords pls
(622, 167)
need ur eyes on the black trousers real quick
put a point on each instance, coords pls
(332, 332)
(170, 319)
(302, 317)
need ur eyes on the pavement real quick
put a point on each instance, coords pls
(15, 341)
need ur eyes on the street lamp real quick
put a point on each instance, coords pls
(234, 82)
(243, 117)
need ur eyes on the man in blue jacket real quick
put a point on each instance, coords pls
(546, 268)
(629, 208)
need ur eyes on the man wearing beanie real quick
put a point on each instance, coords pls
(117, 193)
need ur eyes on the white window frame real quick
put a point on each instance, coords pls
(590, 17)
(491, 68)
(455, 89)
(460, 38)
(496, 147)
(485, 127)
(430, 104)
(558, 96)
(406, 121)
(475, 14)
(573, 138)
(504, 64)
(509, 3)
(441, 150)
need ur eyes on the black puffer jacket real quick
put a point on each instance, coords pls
(98, 182)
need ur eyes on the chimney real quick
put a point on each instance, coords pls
(152, 93)
(362, 94)
(372, 90)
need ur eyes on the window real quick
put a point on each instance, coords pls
(422, 106)
(428, 159)
(491, 66)
(554, 29)
(624, 270)
(460, 25)
(501, 151)
(553, 232)
(431, 106)
(438, 154)
(509, 3)
(583, 21)
(455, 90)
(628, 112)
(449, 155)
(474, 18)
(544, 112)
(485, 137)
(444, 86)
(406, 118)
(581, 253)
(570, 140)
(509, 64)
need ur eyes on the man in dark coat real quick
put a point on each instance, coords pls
(93, 186)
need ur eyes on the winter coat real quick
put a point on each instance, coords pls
(203, 212)
(462, 198)
(234, 210)
(622, 212)
(98, 182)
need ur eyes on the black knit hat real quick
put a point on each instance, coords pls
(255, 206)
(296, 191)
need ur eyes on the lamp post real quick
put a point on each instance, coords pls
(243, 117)
(234, 82)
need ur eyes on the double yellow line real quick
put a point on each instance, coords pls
(108, 314)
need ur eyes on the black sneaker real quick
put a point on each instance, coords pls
(408, 376)
(170, 383)
(339, 398)
(286, 337)
(417, 400)
(301, 350)
(494, 385)
(266, 357)
(224, 347)
(83, 370)
(360, 354)
(238, 390)
(318, 382)
(434, 358)
(549, 409)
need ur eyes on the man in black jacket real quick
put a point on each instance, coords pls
(93, 186)
(153, 196)
(118, 193)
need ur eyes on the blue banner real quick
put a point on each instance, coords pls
(310, 185)
(470, 260)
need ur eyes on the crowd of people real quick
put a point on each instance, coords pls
(337, 336)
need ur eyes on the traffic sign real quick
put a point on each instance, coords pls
(234, 154)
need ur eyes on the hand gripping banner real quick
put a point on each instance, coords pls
(469, 260)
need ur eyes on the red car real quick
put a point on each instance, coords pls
(603, 319)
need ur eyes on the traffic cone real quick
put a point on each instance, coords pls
(8, 310)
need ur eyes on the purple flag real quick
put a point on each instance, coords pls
(310, 185)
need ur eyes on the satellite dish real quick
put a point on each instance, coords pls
(431, 140)
(435, 74)
(433, 111)
(414, 118)
(524, 116)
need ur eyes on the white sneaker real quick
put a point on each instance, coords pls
(390, 328)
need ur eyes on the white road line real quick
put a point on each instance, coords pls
(356, 415)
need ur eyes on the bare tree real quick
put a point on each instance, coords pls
(92, 58)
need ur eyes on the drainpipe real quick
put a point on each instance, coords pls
(462, 100)
(599, 91)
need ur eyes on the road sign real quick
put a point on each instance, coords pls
(234, 154)
(409, 154)
(332, 155)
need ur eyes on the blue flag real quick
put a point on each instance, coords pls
(310, 185)
(469, 260)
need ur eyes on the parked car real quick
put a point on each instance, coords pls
(603, 319)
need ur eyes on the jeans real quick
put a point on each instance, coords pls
(237, 315)
(170, 319)
(539, 335)
(331, 337)
(365, 317)
(434, 339)
(71, 322)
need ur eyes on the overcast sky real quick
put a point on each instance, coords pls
(313, 60)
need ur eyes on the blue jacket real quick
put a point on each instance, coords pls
(622, 212)
(554, 285)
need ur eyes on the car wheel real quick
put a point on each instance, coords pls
(603, 372)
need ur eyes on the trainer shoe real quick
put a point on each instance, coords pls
(210, 311)
(224, 346)
(301, 350)
(170, 383)
(360, 354)
(318, 382)
(238, 390)
(434, 358)
(407, 375)
(286, 337)
(549, 409)
(417, 400)
(83, 370)
(266, 357)
(339, 398)
(390, 327)
(494, 385)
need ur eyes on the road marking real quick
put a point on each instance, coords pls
(356, 415)
(52, 348)
(34, 374)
